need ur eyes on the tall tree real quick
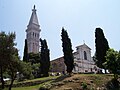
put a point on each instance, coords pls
(13, 66)
(9, 58)
(6, 47)
(25, 56)
(3, 50)
(67, 50)
(45, 58)
(102, 47)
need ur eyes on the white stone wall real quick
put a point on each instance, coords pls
(82, 64)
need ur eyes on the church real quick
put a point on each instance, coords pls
(82, 56)
(83, 62)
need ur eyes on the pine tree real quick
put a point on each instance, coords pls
(102, 47)
(45, 58)
(25, 57)
(67, 50)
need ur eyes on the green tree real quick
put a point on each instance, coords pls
(25, 56)
(67, 50)
(36, 70)
(10, 62)
(26, 70)
(6, 47)
(113, 62)
(13, 65)
(34, 58)
(102, 47)
(45, 58)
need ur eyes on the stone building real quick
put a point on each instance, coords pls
(58, 65)
(82, 60)
(33, 33)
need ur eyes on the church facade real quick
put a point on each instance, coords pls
(33, 33)
(83, 62)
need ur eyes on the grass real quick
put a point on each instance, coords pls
(37, 79)
(35, 87)
(98, 80)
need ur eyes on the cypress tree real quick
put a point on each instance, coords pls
(67, 50)
(25, 56)
(102, 47)
(45, 58)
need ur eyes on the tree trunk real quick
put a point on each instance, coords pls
(2, 78)
(10, 86)
(105, 71)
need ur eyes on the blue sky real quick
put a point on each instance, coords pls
(79, 17)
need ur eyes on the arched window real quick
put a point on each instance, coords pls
(33, 34)
(85, 55)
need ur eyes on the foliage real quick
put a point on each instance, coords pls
(113, 62)
(6, 52)
(13, 65)
(113, 84)
(25, 56)
(84, 86)
(45, 58)
(102, 46)
(36, 70)
(26, 70)
(67, 50)
(10, 62)
(34, 58)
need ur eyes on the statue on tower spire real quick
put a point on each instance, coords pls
(34, 6)
(34, 10)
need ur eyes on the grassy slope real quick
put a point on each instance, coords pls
(32, 87)
(92, 80)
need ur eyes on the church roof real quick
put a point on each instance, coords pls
(84, 45)
(34, 19)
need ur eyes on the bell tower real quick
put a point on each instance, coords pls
(33, 33)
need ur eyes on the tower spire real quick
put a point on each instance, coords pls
(33, 33)
(34, 19)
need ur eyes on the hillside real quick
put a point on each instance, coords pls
(81, 82)
(74, 82)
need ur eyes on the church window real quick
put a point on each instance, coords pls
(30, 34)
(33, 34)
(85, 55)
